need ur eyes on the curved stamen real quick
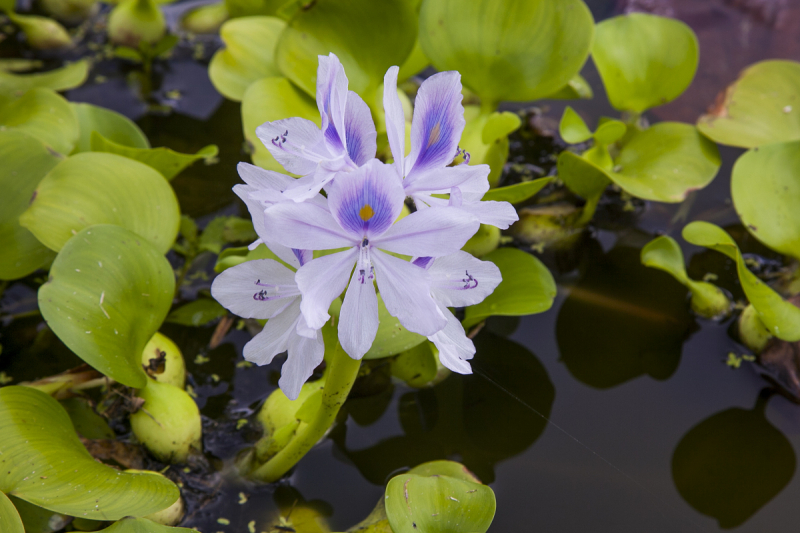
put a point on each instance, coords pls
(274, 291)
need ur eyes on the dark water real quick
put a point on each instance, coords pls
(608, 413)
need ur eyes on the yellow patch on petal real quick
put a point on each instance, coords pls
(366, 212)
(436, 131)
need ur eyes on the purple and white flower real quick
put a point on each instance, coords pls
(362, 208)
(346, 140)
(436, 129)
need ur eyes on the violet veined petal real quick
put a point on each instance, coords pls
(500, 214)
(305, 226)
(274, 338)
(358, 319)
(305, 354)
(405, 289)
(331, 101)
(437, 123)
(435, 232)
(441, 180)
(476, 186)
(366, 201)
(359, 130)
(455, 348)
(261, 288)
(309, 186)
(460, 279)
(320, 281)
(395, 119)
(296, 143)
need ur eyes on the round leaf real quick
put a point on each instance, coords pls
(108, 293)
(508, 49)
(761, 107)
(392, 338)
(44, 463)
(25, 162)
(438, 504)
(654, 71)
(572, 128)
(110, 124)
(519, 192)
(248, 55)
(10, 521)
(527, 287)
(581, 176)
(45, 115)
(666, 162)
(367, 36)
(610, 131)
(60, 79)
(97, 188)
(765, 186)
(499, 125)
(142, 525)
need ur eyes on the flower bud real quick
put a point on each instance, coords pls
(42, 33)
(162, 360)
(136, 21)
(168, 424)
(69, 11)
(752, 331)
(206, 19)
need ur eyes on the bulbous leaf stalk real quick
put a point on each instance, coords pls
(752, 331)
(42, 33)
(206, 19)
(135, 21)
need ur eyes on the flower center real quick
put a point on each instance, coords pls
(366, 212)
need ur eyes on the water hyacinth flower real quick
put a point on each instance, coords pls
(436, 128)
(346, 140)
(362, 206)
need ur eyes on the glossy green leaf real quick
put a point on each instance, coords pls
(577, 88)
(87, 422)
(508, 49)
(415, 63)
(44, 463)
(438, 504)
(234, 256)
(10, 521)
(97, 188)
(367, 36)
(60, 79)
(572, 127)
(223, 230)
(108, 293)
(271, 99)
(392, 338)
(252, 8)
(45, 115)
(168, 162)
(666, 162)
(781, 318)
(500, 124)
(110, 124)
(765, 186)
(644, 60)
(519, 192)
(445, 468)
(25, 162)
(142, 525)
(527, 287)
(248, 55)
(416, 367)
(494, 153)
(610, 131)
(761, 107)
(197, 313)
(581, 176)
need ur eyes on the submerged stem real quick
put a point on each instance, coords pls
(338, 381)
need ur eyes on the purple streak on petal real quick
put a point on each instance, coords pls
(358, 319)
(331, 100)
(303, 256)
(423, 262)
(437, 123)
(367, 201)
(395, 119)
(359, 130)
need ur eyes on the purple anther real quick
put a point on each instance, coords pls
(469, 280)
(261, 296)
(361, 274)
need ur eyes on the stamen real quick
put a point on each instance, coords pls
(469, 280)
(365, 242)
(274, 291)
(466, 155)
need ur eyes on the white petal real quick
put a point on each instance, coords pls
(500, 214)
(305, 354)
(274, 338)
(395, 119)
(440, 180)
(435, 232)
(296, 143)
(358, 319)
(460, 279)
(304, 226)
(405, 289)
(236, 287)
(259, 178)
(359, 130)
(321, 281)
(455, 348)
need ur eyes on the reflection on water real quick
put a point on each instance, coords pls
(731, 464)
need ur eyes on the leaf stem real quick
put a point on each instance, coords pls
(339, 380)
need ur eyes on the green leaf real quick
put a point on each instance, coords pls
(197, 313)
(761, 107)
(527, 287)
(45, 115)
(572, 128)
(610, 131)
(110, 124)
(499, 125)
(516, 50)
(581, 176)
(25, 162)
(248, 55)
(108, 293)
(392, 338)
(416, 367)
(519, 192)
(142, 525)
(444, 468)
(60, 79)
(234, 256)
(765, 186)
(271, 99)
(781, 318)
(87, 422)
(45, 464)
(168, 162)
(10, 521)
(222, 230)
(367, 36)
(665, 162)
(97, 188)
(39, 520)
(577, 88)
(438, 504)
(654, 71)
